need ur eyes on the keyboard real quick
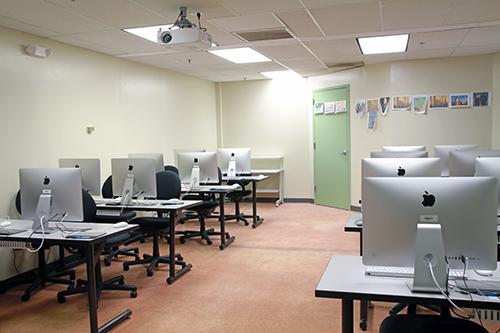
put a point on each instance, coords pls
(405, 272)
(86, 235)
(9, 231)
(108, 212)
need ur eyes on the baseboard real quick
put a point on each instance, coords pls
(356, 208)
(299, 200)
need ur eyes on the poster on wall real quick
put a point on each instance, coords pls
(360, 107)
(319, 108)
(459, 100)
(420, 104)
(384, 105)
(437, 102)
(481, 99)
(372, 120)
(372, 105)
(401, 103)
(340, 106)
(329, 107)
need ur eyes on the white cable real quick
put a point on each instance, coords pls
(441, 290)
(43, 237)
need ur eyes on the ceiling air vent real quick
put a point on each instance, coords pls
(254, 36)
(343, 66)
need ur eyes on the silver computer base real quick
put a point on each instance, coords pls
(42, 214)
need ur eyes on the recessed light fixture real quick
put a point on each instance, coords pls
(241, 55)
(383, 44)
(281, 75)
(150, 33)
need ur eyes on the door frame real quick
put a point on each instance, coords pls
(347, 87)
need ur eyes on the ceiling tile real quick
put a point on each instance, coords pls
(482, 36)
(159, 60)
(467, 11)
(25, 27)
(221, 37)
(329, 51)
(406, 14)
(436, 39)
(290, 51)
(47, 16)
(379, 58)
(349, 18)
(72, 40)
(473, 50)
(325, 3)
(309, 73)
(115, 13)
(304, 64)
(248, 22)
(246, 7)
(169, 9)
(300, 23)
(429, 53)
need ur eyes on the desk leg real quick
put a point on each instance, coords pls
(363, 305)
(173, 275)
(223, 241)
(347, 316)
(256, 218)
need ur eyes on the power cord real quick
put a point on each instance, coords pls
(465, 261)
(441, 290)
(42, 218)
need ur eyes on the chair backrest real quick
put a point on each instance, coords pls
(107, 188)
(168, 185)
(171, 168)
(89, 207)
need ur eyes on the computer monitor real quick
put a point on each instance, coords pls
(157, 157)
(489, 167)
(465, 208)
(133, 177)
(242, 157)
(462, 163)
(403, 148)
(398, 167)
(50, 193)
(207, 161)
(186, 150)
(398, 154)
(443, 152)
(90, 169)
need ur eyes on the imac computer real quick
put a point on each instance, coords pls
(50, 193)
(403, 148)
(443, 152)
(90, 169)
(400, 167)
(177, 151)
(414, 222)
(489, 167)
(241, 159)
(398, 154)
(462, 162)
(157, 157)
(207, 163)
(133, 177)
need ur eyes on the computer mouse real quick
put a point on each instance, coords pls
(483, 272)
(175, 201)
(359, 223)
(120, 224)
(4, 224)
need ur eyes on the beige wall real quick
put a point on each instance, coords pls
(450, 75)
(272, 117)
(45, 105)
(495, 139)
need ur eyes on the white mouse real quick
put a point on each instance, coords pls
(175, 200)
(122, 224)
(4, 224)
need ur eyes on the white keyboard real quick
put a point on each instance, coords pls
(108, 212)
(405, 272)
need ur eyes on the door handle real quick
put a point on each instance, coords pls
(344, 152)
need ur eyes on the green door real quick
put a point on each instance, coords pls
(331, 149)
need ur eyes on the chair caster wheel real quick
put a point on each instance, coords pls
(363, 325)
(221, 247)
(180, 258)
(70, 286)
(254, 226)
(125, 267)
(183, 241)
(149, 273)
(136, 251)
(209, 242)
(107, 262)
(61, 299)
(227, 236)
(72, 276)
(25, 297)
(133, 294)
(121, 281)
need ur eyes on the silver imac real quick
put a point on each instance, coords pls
(465, 208)
(400, 167)
(177, 151)
(462, 162)
(489, 167)
(207, 161)
(403, 148)
(90, 169)
(133, 177)
(398, 154)
(242, 157)
(50, 194)
(157, 157)
(443, 152)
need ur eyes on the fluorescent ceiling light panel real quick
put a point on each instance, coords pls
(281, 75)
(241, 55)
(383, 44)
(150, 33)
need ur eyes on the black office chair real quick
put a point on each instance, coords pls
(171, 168)
(115, 283)
(429, 324)
(168, 186)
(43, 277)
(237, 197)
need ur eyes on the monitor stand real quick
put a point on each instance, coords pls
(429, 248)
(195, 177)
(128, 190)
(42, 214)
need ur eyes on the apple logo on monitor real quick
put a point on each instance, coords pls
(130, 167)
(77, 166)
(401, 171)
(46, 180)
(429, 199)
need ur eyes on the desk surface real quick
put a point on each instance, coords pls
(163, 205)
(344, 277)
(248, 178)
(211, 188)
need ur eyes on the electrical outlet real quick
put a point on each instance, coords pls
(90, 129)
(487, 315)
